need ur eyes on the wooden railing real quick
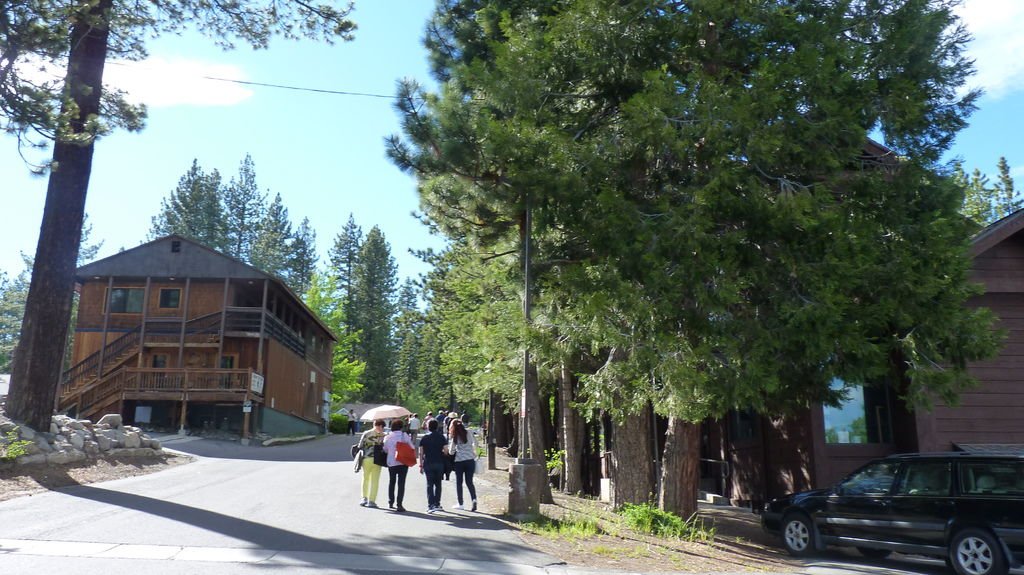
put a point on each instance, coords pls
(90, 367)
(142, 379)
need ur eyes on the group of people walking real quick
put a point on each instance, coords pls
(436, 454)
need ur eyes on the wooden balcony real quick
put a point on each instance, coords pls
(202, 384)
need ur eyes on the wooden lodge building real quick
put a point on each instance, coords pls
(750, 458)
(176, 335)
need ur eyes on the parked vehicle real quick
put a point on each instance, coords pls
(967, 508)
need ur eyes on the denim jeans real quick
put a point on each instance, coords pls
(465, 469)
(433, 471)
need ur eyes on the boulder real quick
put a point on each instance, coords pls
(75, 424)
(77, 440)
(54, 428)
(111, 419)
(31, 459)
(104, 442)
(26, 433)
(91, 448)
(132, 439)
(42, 444)
(65, 456)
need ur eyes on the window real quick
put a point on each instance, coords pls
(742, 424)
(160, 360)
(873, 479)
(126, 300)
(170, 297)
(925, 478)
(862, 417)
(992, 478)
(227, 362)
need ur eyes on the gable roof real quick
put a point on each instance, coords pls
(159, 258)
(997, 232)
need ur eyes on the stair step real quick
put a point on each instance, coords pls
(712, 498)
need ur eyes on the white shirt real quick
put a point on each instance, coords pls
(414, 423)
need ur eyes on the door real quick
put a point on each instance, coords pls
(922, 503)
(858, 508)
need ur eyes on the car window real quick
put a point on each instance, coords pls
(924, 478)
(873, 479)
(992, 477)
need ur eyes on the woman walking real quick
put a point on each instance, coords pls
(371, 439)
(463, 446)
(397, 471)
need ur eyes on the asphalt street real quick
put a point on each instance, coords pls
(287, 509)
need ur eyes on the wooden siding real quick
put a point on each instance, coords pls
(288, 386)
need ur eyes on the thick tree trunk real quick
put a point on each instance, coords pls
(680, 472)
(504, 425)
(632, 461)
(37, 363)
(572, 432)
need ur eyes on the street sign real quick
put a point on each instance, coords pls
(247, 407)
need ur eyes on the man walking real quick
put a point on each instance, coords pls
(433, 449)
(414, 426)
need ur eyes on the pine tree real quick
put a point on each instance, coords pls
(372, 315)
(408, 334)
(302, 258)
(270, 250)
(345, 369)
(1006, 197)
(193, 209)
(344, 258)
(244, 211)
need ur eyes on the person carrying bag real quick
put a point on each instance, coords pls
(370, 444)
(462, 446)
(397, 471)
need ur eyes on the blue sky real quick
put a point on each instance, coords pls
(325, 154)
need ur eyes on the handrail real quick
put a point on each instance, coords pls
(91, 364)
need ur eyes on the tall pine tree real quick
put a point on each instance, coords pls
(194, 209)
(344, 258)
(244, 210)
(372, 315)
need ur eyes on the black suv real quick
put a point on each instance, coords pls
(967, 508)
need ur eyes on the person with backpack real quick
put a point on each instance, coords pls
(462, 446)
(397, 470)
(372, 440)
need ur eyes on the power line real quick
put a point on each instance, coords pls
(300, 88)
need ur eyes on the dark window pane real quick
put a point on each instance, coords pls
(170, 298)
(875, 479)
(925, 478)
(126, 300)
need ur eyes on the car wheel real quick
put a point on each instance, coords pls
(872, 553)
(977, 552)
(798, 535)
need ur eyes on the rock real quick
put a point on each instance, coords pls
(134, 452)
(42, 444)
(75, 424)
(132, 439)
(104, 442)
(77, 440)
(92, 448)
(54, 428)
(31, 459)
(63, 457)
(111, 419)
(155, 445)
(26, 433)
(7, 426)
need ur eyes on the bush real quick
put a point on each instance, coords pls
(570, 527)
(649, 519)
(339, 423)
(11, 447)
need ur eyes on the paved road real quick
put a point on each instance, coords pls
(286, 509)
(239, 508)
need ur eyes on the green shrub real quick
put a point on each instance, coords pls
(11, 447)
(649, 519)
(339, 423)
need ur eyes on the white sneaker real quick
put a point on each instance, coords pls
(458, 506)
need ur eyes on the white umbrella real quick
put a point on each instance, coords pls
(384, 412)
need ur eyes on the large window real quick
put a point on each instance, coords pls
(925, 478)
(992, 478)
(126, 300)
(862, 417)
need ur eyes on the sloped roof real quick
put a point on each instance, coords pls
(158, 258)
(997, 232)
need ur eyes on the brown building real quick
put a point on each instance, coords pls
(175, 334)
(749, 457)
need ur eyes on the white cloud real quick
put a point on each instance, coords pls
(998, 45)
(1017, 172)
(159, 82)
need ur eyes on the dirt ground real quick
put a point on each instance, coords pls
(738, 545)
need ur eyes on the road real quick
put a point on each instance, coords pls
(243, 509)
(287, 509)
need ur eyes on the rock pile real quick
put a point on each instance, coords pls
(70, 440)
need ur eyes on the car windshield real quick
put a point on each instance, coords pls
(873, 479)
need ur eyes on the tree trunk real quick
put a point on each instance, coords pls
(36, 368)
(632, 461)
(572, 432)
(504, 425)
(680, 473)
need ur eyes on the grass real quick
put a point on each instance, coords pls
(571, 527)
(647, 518)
